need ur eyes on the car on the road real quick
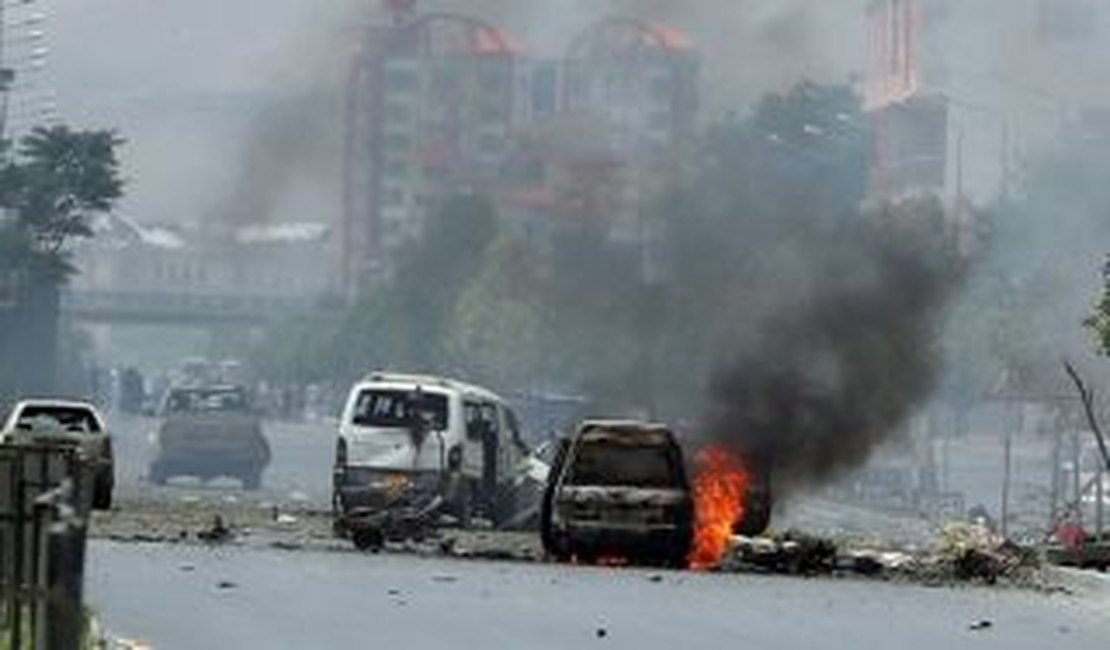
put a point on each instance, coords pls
(618, 489)
(72, 421)
(210, 432)
(413, 447)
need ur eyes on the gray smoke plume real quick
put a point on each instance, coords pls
(289, 145)
(837, 367)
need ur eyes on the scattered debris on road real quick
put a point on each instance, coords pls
(218, 533)
(963, 553)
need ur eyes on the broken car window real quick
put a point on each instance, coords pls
(398, 408)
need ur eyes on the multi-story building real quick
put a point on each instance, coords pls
(962, 91)
(440, 102)
(626, 102)
(433, 100)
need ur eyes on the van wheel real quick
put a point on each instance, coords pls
(368, 539)
(460, 506)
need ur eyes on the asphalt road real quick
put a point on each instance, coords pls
(226, 597)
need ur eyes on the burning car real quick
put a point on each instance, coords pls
(618, 489)
(210, 432)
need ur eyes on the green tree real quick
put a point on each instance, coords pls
(49, 187)
(495, 332)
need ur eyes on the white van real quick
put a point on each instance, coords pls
(405, 438)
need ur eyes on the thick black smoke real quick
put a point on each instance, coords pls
(842, 359)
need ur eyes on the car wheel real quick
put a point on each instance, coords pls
(368, 539)
(102, 494)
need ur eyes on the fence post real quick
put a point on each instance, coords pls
(65, 558)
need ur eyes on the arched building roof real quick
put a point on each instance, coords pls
(447, 32)
(621, 35)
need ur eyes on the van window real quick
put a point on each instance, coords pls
(514, 430)
(399, 408)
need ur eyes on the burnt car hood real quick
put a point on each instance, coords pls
(622, 495)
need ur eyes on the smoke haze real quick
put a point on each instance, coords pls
(198, 88)
(843, 351)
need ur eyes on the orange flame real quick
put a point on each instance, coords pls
(719, 491)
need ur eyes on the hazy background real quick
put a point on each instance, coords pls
(187, 83)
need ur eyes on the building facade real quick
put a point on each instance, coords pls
(441, 102)
(961, 92)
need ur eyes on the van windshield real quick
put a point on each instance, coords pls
(400, 408)
(609, 464)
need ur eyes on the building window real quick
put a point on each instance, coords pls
(1067, 20)
(490, 144)
(544, 88)
(397, 113)
(397, 141)
(395, 198)
(400, 80)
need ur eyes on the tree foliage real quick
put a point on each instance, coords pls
(50, 186)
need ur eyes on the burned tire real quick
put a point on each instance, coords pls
(462, 505)
(102, 494)
(368, 539)
(757, 516)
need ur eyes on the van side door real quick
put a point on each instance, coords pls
(472, 439)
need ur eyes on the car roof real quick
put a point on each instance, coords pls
(54, 403)
(631, 425)
(405, 381)
(625, 430)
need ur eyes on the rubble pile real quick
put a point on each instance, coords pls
(963, 553)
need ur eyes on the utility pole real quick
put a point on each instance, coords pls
(1007, 455)
(7, 75)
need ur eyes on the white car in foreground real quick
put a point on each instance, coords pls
(51, 419)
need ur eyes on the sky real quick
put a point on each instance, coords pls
(184, 81)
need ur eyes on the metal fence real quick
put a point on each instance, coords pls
(45, 492)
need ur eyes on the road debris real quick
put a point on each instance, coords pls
(218, 533)
(964, 552)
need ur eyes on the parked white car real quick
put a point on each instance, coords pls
(80, 422)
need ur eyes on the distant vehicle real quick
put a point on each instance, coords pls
(210, 432)
(414, 447)
(51, 419)
(618, 489)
